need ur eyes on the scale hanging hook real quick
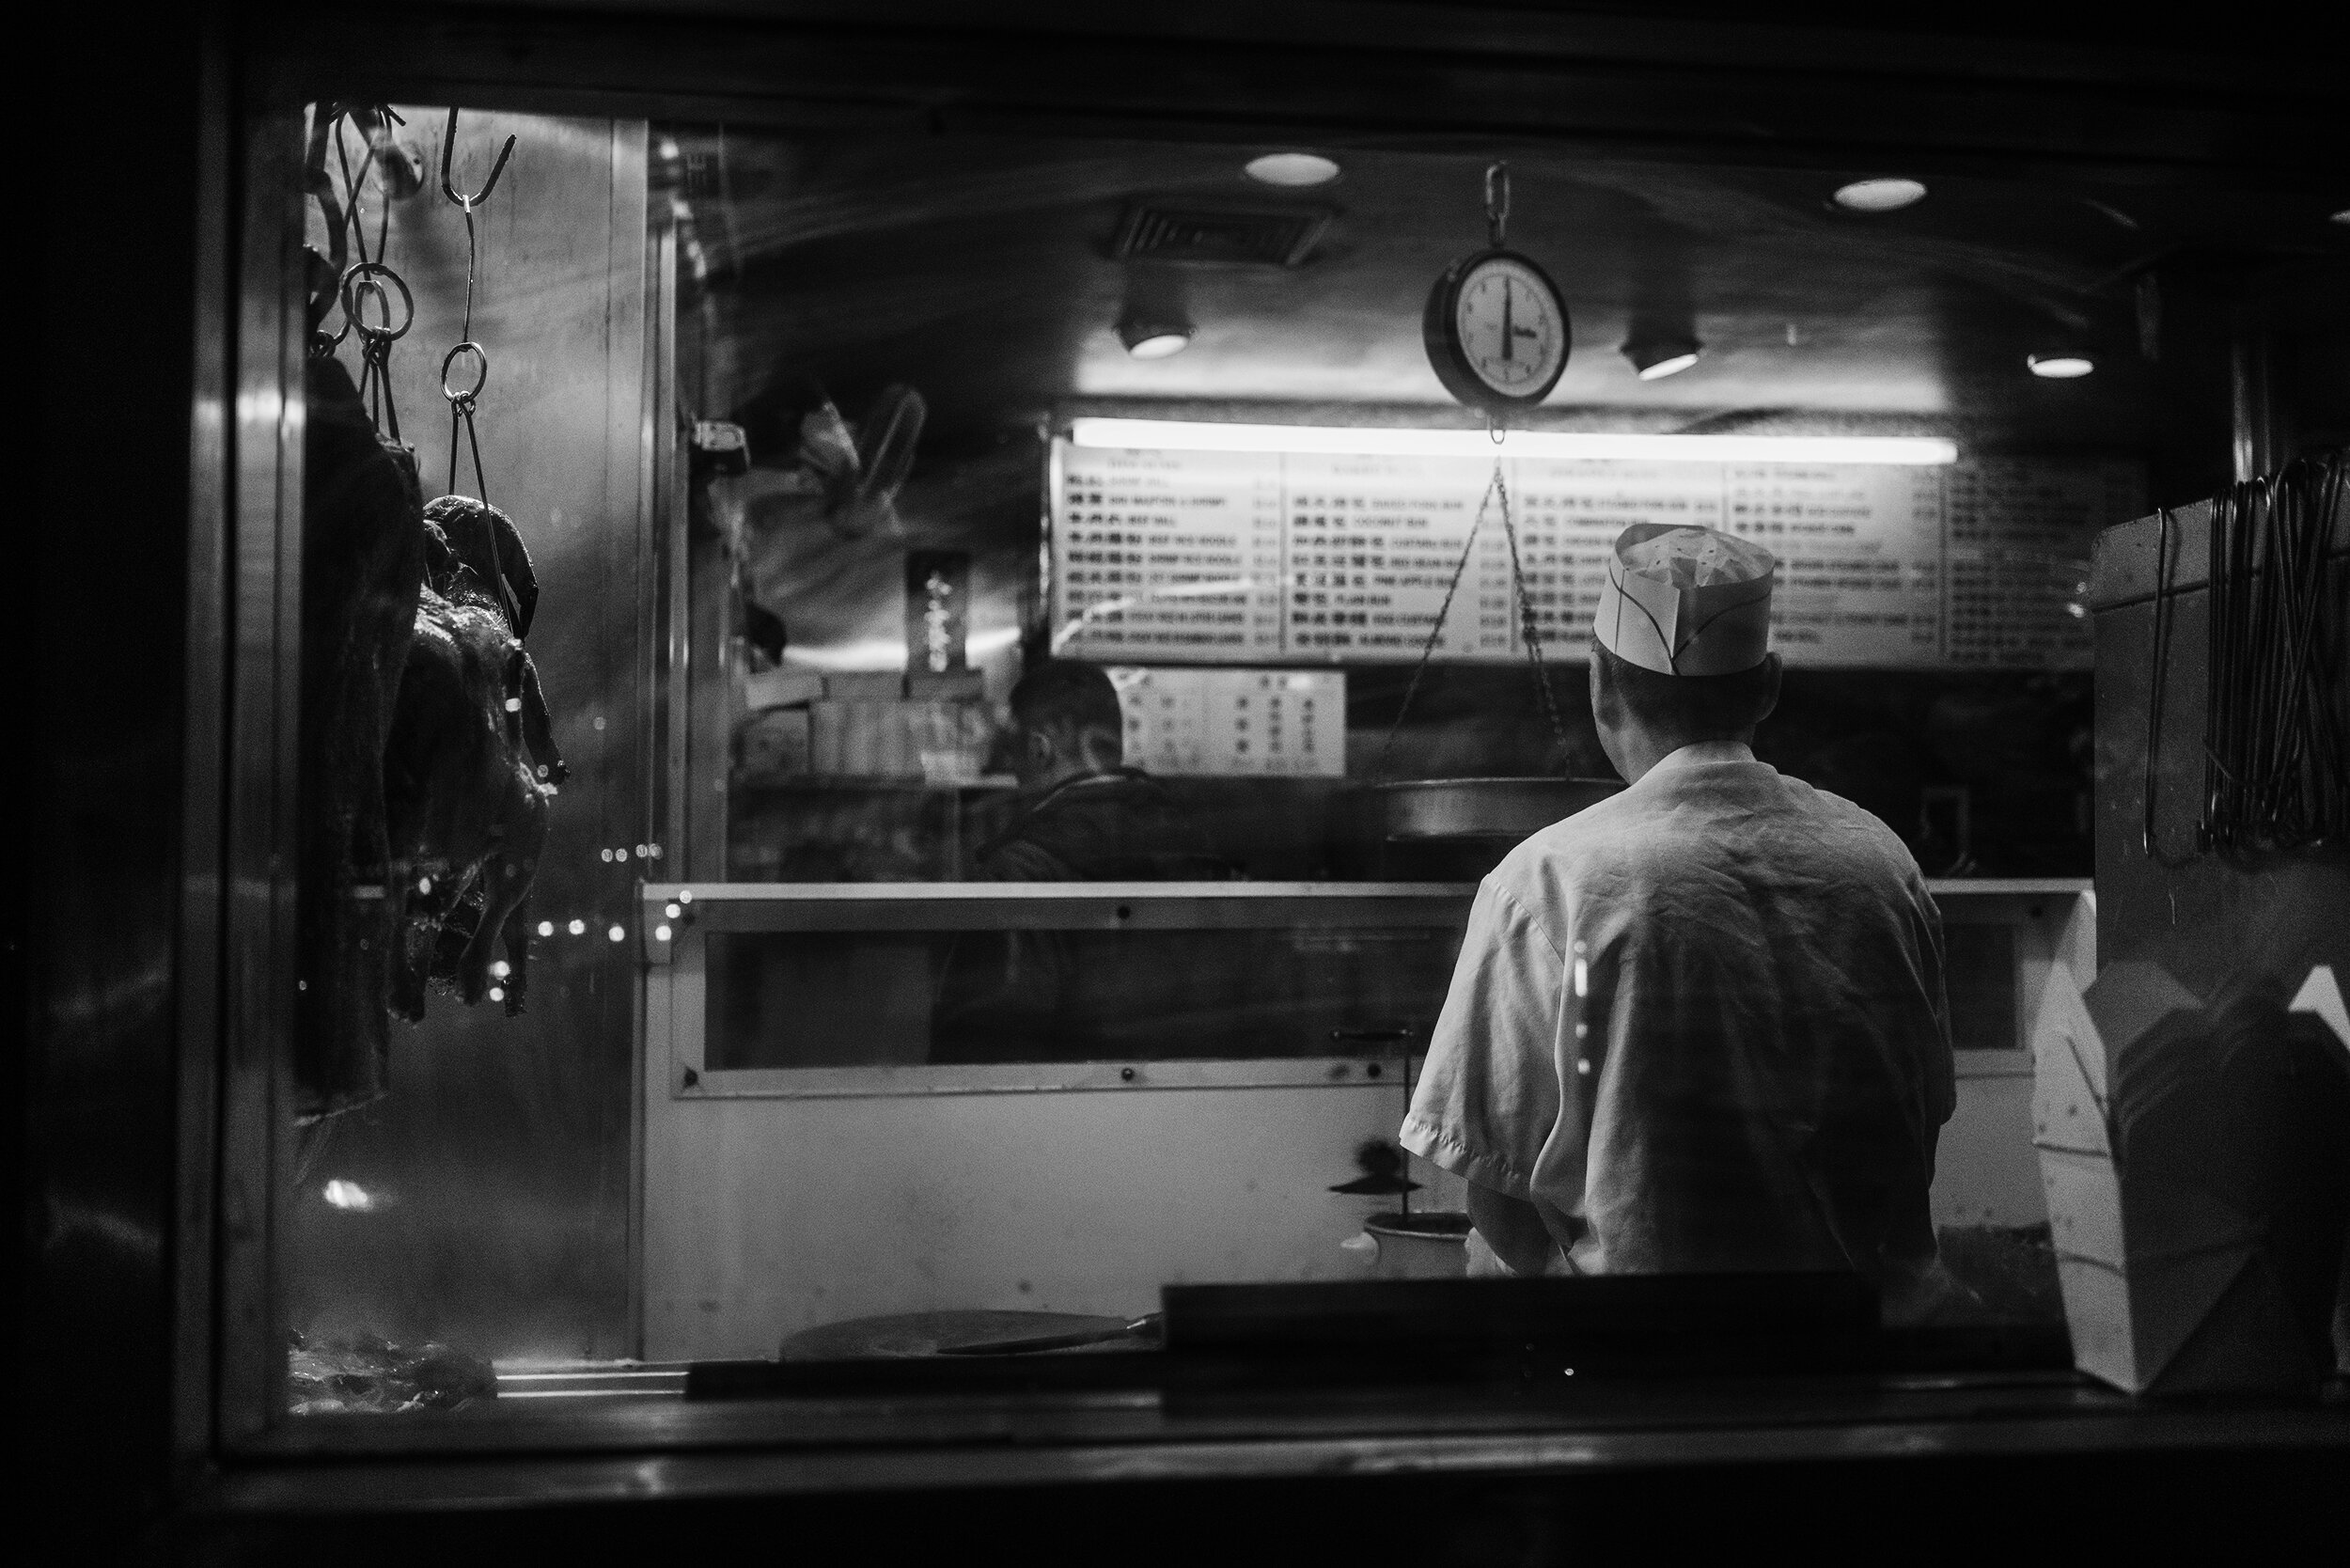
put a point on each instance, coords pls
(449, 188)
(1496, 203)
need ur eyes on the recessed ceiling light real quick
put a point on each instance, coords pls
(1292, 169)
(1879, 196)
(1653, 361)
(1153, 339)
(2060, 366)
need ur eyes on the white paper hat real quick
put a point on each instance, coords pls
(1686, 600)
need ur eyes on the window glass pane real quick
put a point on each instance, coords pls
(479, 622)
(715, 967)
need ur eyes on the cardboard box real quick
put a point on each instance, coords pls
(2181, 1150)
(781, 688)
(828, 723)
(774, 740)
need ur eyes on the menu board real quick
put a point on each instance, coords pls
(2016, 562)
(1168, 555)
(1285, 723)
(1860, 556)
(1251, 557)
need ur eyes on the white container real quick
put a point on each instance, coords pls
(1432, 1246)
(2167, 1285)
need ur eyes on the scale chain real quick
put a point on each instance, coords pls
(1527, 624)
(1496, 486)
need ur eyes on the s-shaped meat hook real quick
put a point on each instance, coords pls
(461, 403)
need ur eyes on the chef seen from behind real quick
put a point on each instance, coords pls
(1698, 1027)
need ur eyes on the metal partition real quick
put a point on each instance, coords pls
(677, 920)
(775, 1199)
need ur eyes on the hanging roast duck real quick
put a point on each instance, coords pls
(471, 763)
(363, 570)
(470, 743)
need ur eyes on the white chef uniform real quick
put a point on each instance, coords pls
(1702, 1027)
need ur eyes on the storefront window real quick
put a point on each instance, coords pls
(908, 724)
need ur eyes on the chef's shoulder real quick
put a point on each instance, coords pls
(1858, 833)
(1606, 844)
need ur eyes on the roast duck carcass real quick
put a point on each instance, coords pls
(363, 564)
(470, 745)
(425, 743)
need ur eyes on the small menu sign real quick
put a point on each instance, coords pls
(1284, 723)
(938, 610)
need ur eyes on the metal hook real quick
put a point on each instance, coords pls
(482, 374)
(1496, 202)
(449, 148)
(360, 283)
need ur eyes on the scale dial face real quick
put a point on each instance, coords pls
(1497, 331)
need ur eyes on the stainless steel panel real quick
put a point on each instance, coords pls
(195, 1188)
(1055, 906)
(664, 507)
(830, 1083)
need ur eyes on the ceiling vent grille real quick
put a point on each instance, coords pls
(1282, 239)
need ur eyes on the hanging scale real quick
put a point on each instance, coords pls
(1497, 335)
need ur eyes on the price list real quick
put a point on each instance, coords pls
(1372, 545)
(1170, 553)
(1205, 557)
(1569, 515)
(1859, 550)
(2016, 560)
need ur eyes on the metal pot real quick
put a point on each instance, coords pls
(1458, 829)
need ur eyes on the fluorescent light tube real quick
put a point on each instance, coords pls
(1371, 441)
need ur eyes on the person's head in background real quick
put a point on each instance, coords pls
(1065, 722)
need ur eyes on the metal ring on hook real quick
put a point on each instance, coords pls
(480, 380)
(364, 289)
(1496, 202)
(362, 281)
(449, 148)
